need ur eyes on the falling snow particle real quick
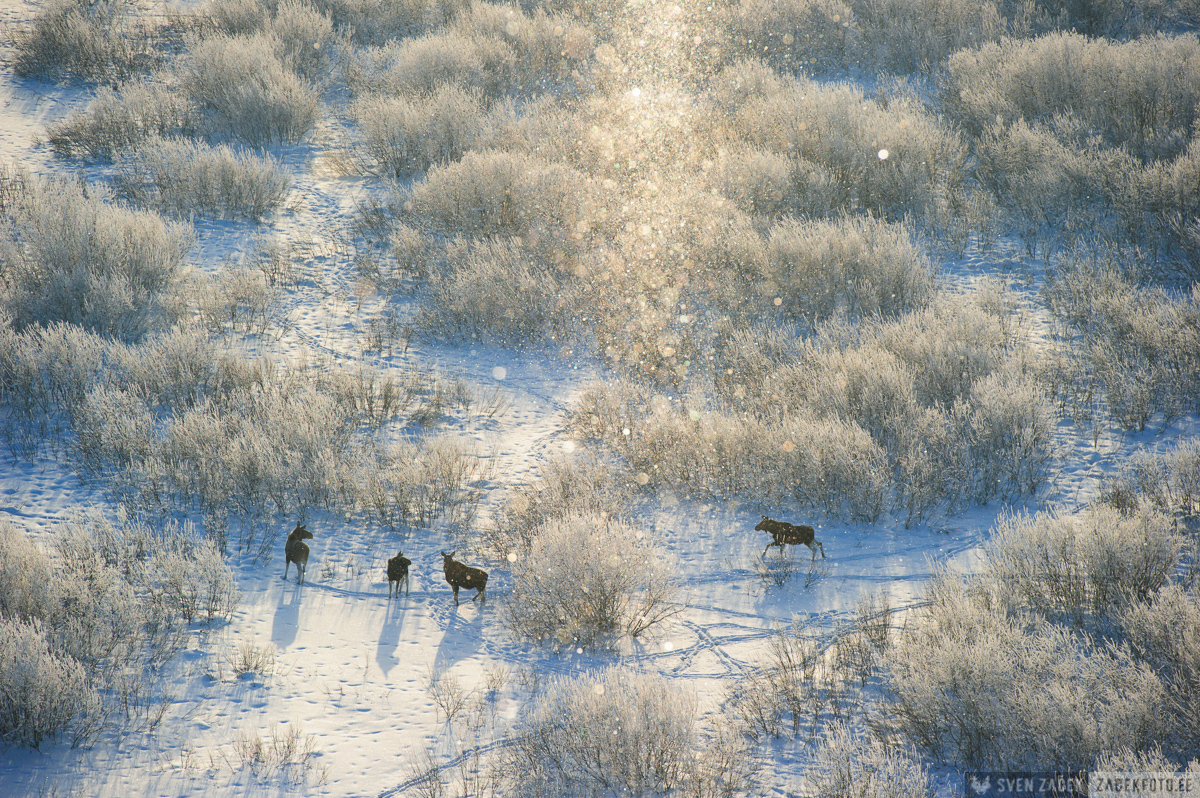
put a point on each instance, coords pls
(499, 372)
(643, 478)
(883, 154)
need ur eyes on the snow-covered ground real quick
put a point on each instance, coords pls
(352, 666)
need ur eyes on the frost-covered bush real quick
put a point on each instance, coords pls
(304, 39)
(1072, 641)
(124, 117)
(771, 184)
(616, 732)
(247, 90)
(1168, 482)
(403, 134)
(1081, 569)
(183, 177)
(859, 267)
(70, 256)
(896, 36)
(46, 693)
(580, 486)
(76, 40)
(497, 292)
(414, 484)
(848, 765)
(381, 21)
(1140, 343)
(501, 194)
(1140, 95)
(890, 158)
(586, 580)
(491, 49)
(983, 688)
(826, 463)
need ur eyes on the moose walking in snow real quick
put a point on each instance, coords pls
(296, 551)
(783, 533)
(397, 572)
(460, 575)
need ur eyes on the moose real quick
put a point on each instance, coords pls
(783, 533)
(460, 575)
(296, 551)
(397, 572)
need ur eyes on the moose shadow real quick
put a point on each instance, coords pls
(461, 640)
(286, 622)
(390, 635)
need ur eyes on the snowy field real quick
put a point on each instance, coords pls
(350, 669)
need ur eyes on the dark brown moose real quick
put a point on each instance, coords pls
(296, 551)
(783, 533)
(459, 575)
(397, 571)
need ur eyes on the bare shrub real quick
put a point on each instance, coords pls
(184, 177)
(497, 292)
(73, 257)
(777, 698)
(288, 752)
(118, 119)
(416, 66)
(237, 17)
(74, 40)
(611, 732)
(586, 581)
(446, 691)
(250, 93)
(847, 765)
(250, 657)
(375, 22)
(194, 582)
(861, 267)
(401, 135)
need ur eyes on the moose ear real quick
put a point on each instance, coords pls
(764, 518)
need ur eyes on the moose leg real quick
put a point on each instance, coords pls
(286, 564)
(406, 584)
(455, 587)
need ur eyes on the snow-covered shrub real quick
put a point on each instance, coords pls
(70, 256)
(580, 486)
(416, 483)
(375, 22)
(237, 17)
(76, 40)
(1139, 342)
(497, 292)
(181, 177)
(1083, 568)
(45, 692)
(234, 299)
(25, 586)
(248, 92)
(124, 117)
(1011, 435)
(1166, 633)
(403, 134)
(1168, 482)
(797, 35)
(304, 39)
(980, 687)
(1140, 95)
(616, 732)
(826, 462)
(771, 184)
(587, 580)
(891, 159)
(193, 582)
(848, 765)
(500, 194)
(418, 66)
(861, 267)
(491, 49)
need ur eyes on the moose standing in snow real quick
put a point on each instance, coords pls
(296, 551)
(459, 575)
(397, 572)
(783, 533)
